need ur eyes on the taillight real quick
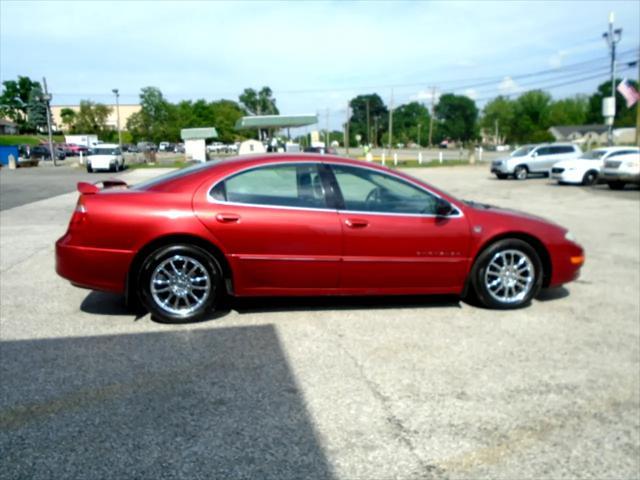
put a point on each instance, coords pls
(79, 214)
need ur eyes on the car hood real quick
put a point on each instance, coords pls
(512, 218)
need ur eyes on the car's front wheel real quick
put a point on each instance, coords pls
(179, 283)
(520, 172)
(590, 178)
(507, 275)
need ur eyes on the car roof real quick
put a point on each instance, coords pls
(107, 145)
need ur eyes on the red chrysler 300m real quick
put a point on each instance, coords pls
(303, 225)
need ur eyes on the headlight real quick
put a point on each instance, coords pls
(571, 237)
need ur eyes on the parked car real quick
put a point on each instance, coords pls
(623, 169)
(77, 149)
(530, 159)
(295, 224)
(165, 147)
(106, 156)
(586, 169)
(147, 147)
(321, 150)
(41, 152)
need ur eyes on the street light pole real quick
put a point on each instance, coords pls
(117, 94)
(612, 37)
(47, 100)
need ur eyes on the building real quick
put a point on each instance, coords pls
(126, 110)
(7, 127)
(592, 134)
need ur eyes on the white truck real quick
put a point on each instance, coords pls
(88, 140)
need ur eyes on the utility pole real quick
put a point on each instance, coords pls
(433, 99)
(368, 124)
(375, 130)
(346, 128)
(497, 139)
(117, 94)
(326, 134)
(419, 126)
(47, 100)
(391, 121)
(612, 37)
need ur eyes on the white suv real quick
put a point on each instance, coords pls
(533, 159)
(106, 156)
(623, 169)
(586, 169)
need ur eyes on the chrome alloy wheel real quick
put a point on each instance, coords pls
(510, 276)
(180, 285)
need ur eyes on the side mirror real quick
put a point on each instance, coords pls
(534, 154)
(443, 207)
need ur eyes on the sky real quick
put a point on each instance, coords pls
(315, 56)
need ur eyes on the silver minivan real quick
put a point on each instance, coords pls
(530, 159)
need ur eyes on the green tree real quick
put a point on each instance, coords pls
(92, 117)
(531, 120)
(499, 112)
(406, 120)
(155, 120)
(569, 111)
(15, 99)
(225, 115)
(68, 117)
(259, 102)
(625, 117)
(457, 115)
(36, 110)
(378, 118)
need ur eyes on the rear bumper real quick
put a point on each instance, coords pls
(93, 268)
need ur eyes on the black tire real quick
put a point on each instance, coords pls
(479, 276)
(590, 178)
(616, 185)
(89, 168)
(520, 173)
(193, 256)
(502, 176)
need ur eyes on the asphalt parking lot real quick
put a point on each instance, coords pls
(329, 388)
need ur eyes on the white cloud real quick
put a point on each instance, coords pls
(509, 86)
(426, 96)
(472, 93)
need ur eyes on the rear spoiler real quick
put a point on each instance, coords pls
(90, 188)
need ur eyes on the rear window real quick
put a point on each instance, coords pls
(106, 151)
(167, 177)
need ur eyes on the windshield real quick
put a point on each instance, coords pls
(106, 151)
(594, 155)
(522, 151)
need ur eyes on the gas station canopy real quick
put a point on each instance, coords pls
(276, 121)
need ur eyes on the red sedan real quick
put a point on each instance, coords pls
(303, 225)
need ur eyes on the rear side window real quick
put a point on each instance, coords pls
(561, 149)
(291, 185)
(622, 152)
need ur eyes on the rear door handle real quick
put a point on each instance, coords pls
(227, 217)
(356, 223)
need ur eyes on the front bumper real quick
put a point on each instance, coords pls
(93, 268)
(566, 261)
(567, 176)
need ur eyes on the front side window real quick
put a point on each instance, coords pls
(365, 190)
(543, 151)
(593, 155)
(292, 185)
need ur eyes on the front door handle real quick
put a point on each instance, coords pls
(356, 223)
(227, 217)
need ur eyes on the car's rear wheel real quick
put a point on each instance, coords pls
(179, 283)
(616, 185)
(520, 172)
(590, 178)
(507, 275)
